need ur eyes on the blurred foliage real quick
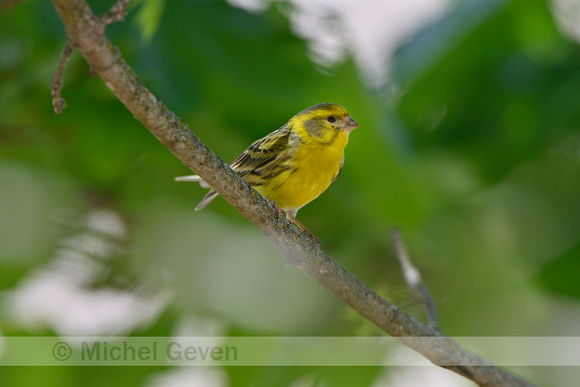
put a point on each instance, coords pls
(475, 156)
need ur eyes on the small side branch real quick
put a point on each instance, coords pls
(57, 81)
(412, 276)
(116, 13)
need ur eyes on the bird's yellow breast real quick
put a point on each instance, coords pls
(311, 169)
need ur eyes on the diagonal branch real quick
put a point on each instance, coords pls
(106, 60)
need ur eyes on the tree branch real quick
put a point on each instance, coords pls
(296, 247)
(419, 291)
(115, 14)
(58, 79)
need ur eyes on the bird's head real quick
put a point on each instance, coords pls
(324, 120)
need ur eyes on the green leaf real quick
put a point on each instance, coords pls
(149, 14)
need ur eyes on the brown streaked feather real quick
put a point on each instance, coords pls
(262, 152)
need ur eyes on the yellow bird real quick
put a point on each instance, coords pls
(293, 165)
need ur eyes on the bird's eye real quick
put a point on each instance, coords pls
(331, 119)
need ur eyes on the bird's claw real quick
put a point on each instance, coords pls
(289, 216)
(313, 237)
(277, 209)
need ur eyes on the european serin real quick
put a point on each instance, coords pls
(293, 165)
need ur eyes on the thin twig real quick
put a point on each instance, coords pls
(57, 80)
(108, 63)
(412, 276)
(7, 4)
(115, 14)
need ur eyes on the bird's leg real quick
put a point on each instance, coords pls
(291, 215)
(277, 209)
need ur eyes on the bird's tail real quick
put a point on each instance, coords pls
(193, 178)
(211, 195)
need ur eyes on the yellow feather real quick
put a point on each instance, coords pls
(313, 168)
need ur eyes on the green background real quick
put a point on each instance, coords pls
(472, 149)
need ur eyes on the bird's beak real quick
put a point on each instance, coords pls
(349, 124)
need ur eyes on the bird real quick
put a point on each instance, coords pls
(294, 164)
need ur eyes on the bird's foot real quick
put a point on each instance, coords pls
(277, 209)
(313, 237)
(306, 231)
